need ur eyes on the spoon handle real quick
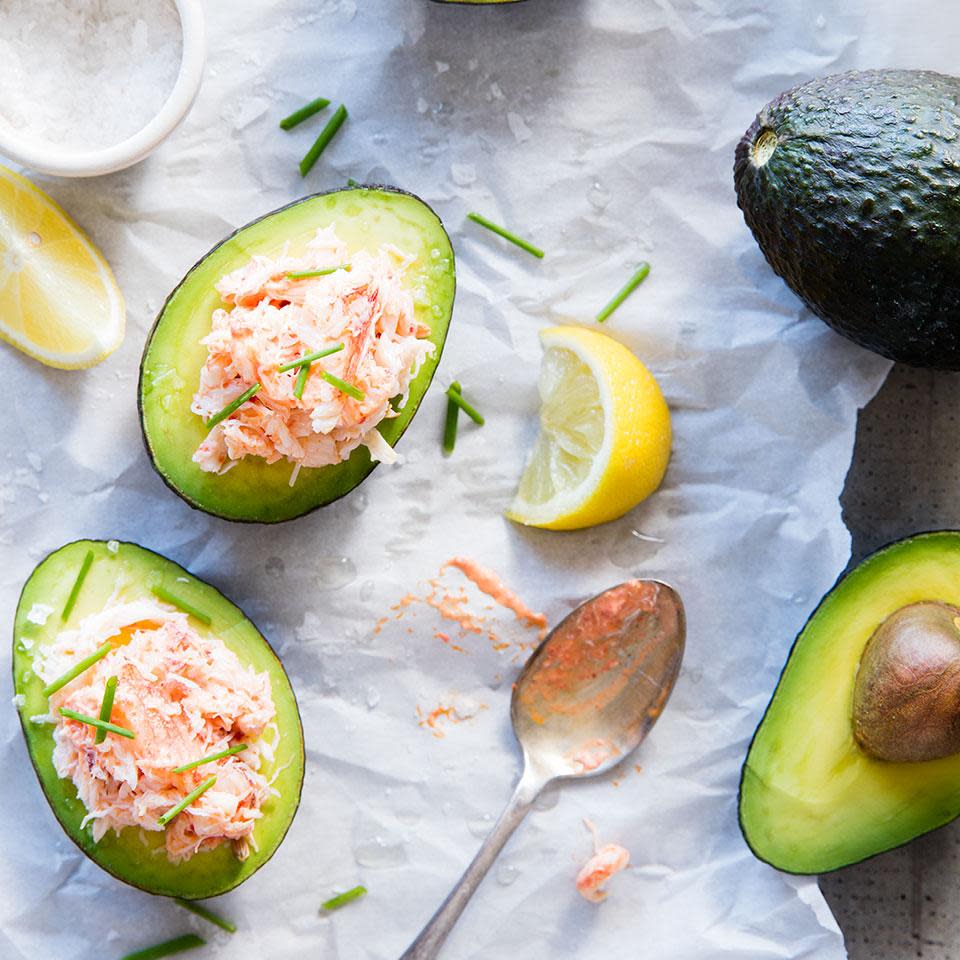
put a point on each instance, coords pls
(431, 938)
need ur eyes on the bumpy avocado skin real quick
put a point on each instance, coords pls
(857, 206)
(127, 571)
(811, 800)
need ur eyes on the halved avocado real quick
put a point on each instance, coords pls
(253, 491)
(811, 798)
(130, 572)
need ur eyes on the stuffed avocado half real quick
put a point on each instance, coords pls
(116, 580)
(366, 221)
(859, 749)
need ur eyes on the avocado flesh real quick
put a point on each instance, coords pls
(810, 799)
(134, 856)
(849, 184)
(364, 218)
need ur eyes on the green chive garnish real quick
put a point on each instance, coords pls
(450, 423)
(164, 594)
(77, 584)
(106, 707)
(213, 756)
(99, 724)
(308, 358)
(625, 291)
(457, 397)
(320, 144)
(186, 801)
(348, 388)
(301, 383)
(352, 183)
(168, 948)
(233, 406)
(85, 664)
(306, 274)
(305, 112)
(506, 234)
(205, 914)
(334, 902)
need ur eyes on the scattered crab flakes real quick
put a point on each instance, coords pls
(448, 713)
(608, 859)
(490, 584)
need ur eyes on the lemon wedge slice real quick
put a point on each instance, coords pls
(604, 438)
(59, 302)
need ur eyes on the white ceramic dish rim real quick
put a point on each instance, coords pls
(46, 158)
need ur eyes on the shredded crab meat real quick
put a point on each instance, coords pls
(185, 696)
(271, 319)
(607, 859)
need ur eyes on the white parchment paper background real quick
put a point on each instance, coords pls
(604, 131)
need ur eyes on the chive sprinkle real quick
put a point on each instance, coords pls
(205, 914)
(77, 584)
(301, 383)
(304, 113)
(457, 397)
(450, 423)
(308, 358)
(352, 183)
(213, 756)
(506, 234)
(306, 274)
(106, 707)
(334, 902)
(168, 948)
(164, 594)
(625, 291)
(79, 667)
(99, 724)
(326, 135)
(233, 406)
(348, 388)
(186, 801)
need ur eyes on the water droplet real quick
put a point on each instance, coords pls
(463, 174)
(631, 546)
(275, 567)
(373, 697)
(334, 573)
(799, 598)
(480, 827)
(506, 874)
(599, 198)
(358, 502)
(380, 852)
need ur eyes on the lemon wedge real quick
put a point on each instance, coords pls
(604, 438)
(59, 302)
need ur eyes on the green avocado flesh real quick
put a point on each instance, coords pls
(364, 218)
(810, 799)
(849, 184)
(130, 573)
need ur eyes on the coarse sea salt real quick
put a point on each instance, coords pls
(85, 74)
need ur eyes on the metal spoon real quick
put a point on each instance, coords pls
(586, 698)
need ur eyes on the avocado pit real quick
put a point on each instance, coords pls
(906, 699)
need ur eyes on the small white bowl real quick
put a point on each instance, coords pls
(48, 158)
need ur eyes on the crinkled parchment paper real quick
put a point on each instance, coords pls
(604, 131)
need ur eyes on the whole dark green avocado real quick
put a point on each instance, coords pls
(851, 186)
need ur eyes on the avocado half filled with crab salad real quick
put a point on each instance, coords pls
(292, 357)
(161, 725)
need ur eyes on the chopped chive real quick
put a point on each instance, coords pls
(164, 594)
(77, 584)
(309, 358)
(304, 113)
(320, 144)
(99, 724)
(625, 291)
(348, 388)
(233, 406)
(213, 756)
(106, 707)
(352, 183)
(176, 810)
(450, 423)
(306, 274)
(457, 397)
(168, 948)
(301, 383)
(338, 901)
(85, 664)
(205, 914)
(506, 234)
